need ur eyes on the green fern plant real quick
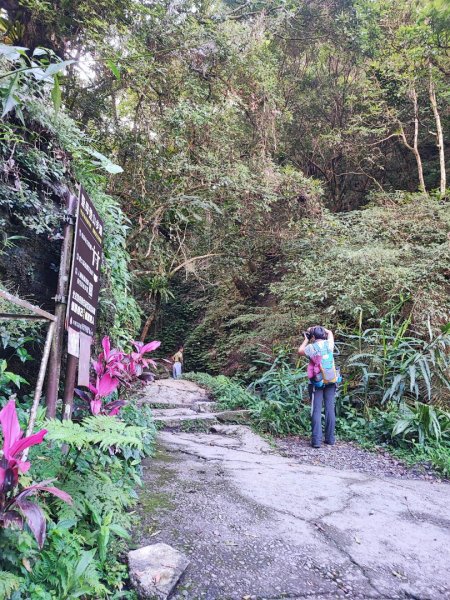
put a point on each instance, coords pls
(66, 568)
(100, 430)
(9, 583)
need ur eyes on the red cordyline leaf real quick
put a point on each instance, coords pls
(99, 367)
(106, 385)
(143, 348)
(96, 406)
(9, 474)
(44, 486)
(10, 425)
(109, 355)
(11, 517)
(86, 396)
(150, 347)
(106, 344)
(35, 519)
(13, 441)
(20, 445)
(32, 512)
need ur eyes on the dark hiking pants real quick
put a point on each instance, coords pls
(318, 396)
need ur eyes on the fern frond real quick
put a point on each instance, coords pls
(9, 583)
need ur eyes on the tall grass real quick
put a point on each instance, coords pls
(389, 363)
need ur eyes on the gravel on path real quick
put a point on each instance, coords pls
(349, 456)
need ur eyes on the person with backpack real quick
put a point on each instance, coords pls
(318, 346)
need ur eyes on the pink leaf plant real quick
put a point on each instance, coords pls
(137, 358)
(114, 368)
(15, 508)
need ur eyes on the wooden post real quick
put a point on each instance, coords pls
(69, 385)
(60, 306)
(40, 383)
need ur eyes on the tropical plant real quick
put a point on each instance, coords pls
(281, 392)
(114, 368)
(423, 422)
(228, 393)
(7, 378)
(15, 507)
(40, 70)
(388, 363)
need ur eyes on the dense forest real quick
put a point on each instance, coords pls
(260, 166)
(283, 163)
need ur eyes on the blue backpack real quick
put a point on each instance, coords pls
(329, 373)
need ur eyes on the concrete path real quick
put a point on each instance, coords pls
(256, 525)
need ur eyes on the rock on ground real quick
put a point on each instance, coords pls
(155, 570)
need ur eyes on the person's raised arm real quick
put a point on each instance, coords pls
(330, 339)
(301, 350)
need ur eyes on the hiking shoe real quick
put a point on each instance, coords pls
(315, 445)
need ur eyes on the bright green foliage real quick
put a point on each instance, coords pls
(281, 391)
(8, 584)
(340, 271)
(228, 394)
(424, 422)
(7, 378)
(389, 364)
(41, 155)
(66, 569)
(98, 430)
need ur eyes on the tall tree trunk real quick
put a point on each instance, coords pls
(147, 325)
(415, 147)
(152, 317)
(439, 136)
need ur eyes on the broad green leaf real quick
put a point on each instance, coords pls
(85, 560)
(9, 104)
(40, 51)
(114, 68)
(12, 53)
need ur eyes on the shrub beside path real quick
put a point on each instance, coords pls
(259, 525)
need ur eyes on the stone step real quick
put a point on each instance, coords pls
(206, 406)
(179, 417)
(173, 392)
(202, 406)
(234, 416)
(173, 412)
(192, 421)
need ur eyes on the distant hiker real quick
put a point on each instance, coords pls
(177, 359)
(318, 346)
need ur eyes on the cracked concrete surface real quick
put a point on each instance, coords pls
(259, 525)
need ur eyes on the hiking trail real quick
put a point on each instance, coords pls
(259, 525)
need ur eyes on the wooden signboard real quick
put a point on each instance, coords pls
(84, 291)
